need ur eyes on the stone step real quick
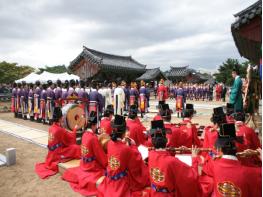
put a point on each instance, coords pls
(70, 164)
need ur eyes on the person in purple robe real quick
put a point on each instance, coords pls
(50, 102)
(13, 99)
(37, 94)
(31, 101)
(95, 99)
(71, 90)
(18, 98)
(24, 100)
(58, 94)
(43, 100)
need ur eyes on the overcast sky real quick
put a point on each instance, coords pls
(159, 33)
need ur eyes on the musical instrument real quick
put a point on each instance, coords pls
(73, 115)
(104, 138)
(182, 149)
(248, 153)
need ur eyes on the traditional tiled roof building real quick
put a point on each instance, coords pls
(95, 65)
(247, 32)
(185, 74)
(152, 75)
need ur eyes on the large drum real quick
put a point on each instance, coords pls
(73, 114)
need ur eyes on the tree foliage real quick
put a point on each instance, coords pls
(225, 70)
(54, 69)
(9, 72)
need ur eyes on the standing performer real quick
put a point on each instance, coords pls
(13, 99)
(64, 94)
(93, 162)
(134, 94)
(43, 101)
(126, 172)
(83, 97)
(168, 175)
(226, 176)
(95, 100)
(18, 99)
(23, 100)
(119, 100)
(108, 96)
(127, 95)
(58, 94)
(37, 94)
(180, 99)
(61, 147)
(105, 124)
(71, 90)
(31, 102)
(50, 102)
(143, 99)
(236, 92)
(162, 91)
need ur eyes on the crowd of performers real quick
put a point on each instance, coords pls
(193, 91)
(37, 101)
(226, 161)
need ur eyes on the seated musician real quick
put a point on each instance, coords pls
(211, 132)
(226, 176)
(229, 113)
(126, 172)
(135, 127)
(92, 164)
(61, 147)
(105, 124)
(172, 132)
(250, 139)
(188, 131)
(168, 175)
(158, 116)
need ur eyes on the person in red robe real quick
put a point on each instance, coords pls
(211, 132)
(188, 132)
(126, 172)
(135, 128)
(93, 162)
(162, 91)
(226, 176)
(168, 175)
(250, 140)
(105, 123)
(61, 147)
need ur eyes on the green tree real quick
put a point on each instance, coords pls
(225, 70)
(54, 69)
(9, 72)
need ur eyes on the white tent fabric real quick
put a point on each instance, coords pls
(31, 78)
(45, 76)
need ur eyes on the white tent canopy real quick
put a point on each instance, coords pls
(45, 76)
(31, 78)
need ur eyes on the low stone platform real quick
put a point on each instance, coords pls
(70, 164)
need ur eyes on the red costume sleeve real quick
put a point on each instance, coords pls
(186, 179)
(101, 157)
(68, 138)
(138, 171)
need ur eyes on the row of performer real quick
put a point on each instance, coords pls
(123, 158)
(193, 91)
(38, 101)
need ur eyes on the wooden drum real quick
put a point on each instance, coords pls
(73, 114)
